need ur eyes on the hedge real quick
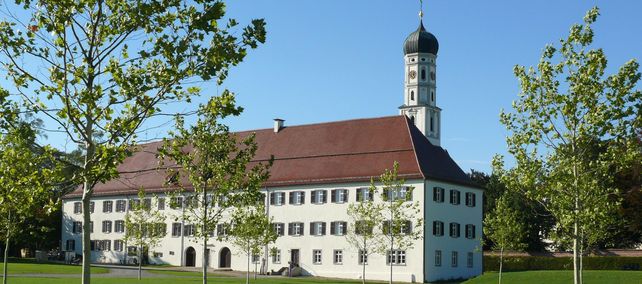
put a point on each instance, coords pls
(520, 263)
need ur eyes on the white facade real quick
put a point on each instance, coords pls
(419, 262)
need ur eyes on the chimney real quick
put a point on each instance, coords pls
(278, 124)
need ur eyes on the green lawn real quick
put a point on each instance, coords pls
(561, 277)
(47, 268)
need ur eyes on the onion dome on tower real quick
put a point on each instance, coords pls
(421, 41)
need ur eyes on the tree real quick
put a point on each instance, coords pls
(565, 105)
(403, 223)
(505, 227)
(24, 183)
(106, 67)
(251, 230)
(364, 217)
(144, 226)
(217, 165)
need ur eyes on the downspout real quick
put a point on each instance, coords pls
(181, 230)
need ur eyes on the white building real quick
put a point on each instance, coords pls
(318, 170)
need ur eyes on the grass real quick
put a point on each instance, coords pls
(47, 268)
(560, 276)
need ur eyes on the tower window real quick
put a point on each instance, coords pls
(412, 95)
(432, 96)
(413, 60)
(423, 74)
(423, 59)
(432, 125)
(412, 119)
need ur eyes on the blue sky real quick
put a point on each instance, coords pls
(336, 60)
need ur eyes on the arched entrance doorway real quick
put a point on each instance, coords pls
(225, 258)
(190, 257)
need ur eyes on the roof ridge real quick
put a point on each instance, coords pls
(321, 123)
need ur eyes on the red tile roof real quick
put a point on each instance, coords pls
(333, 152)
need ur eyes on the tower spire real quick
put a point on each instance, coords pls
(421, 10)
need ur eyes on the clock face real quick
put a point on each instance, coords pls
(412, 74)
(432, 76)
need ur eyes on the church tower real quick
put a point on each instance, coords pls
(420, 88)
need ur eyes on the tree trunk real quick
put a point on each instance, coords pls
(6, 257)
(247, 274)
(140, 262)
(255, 266)
(363, 263)
(576, 263)
(205, 260)
(501, 263)
(86, 234)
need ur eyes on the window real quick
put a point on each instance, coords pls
(363, 256)
(158, 254)
(423, 74)
(319, 196)
(255, 258)
(279, 228)
(470, 199)
(120, 205)
(295, 229)
(91, 226)
(100, 245)
(92, 205)
(338, 228)
(402, 193)
(77, 208)
(402, 227)
(277, 198)
(438, 228)
(339, 196)
(470, 231)
(147, 203)
(469, 260)
(454, 230)
(71, 245)
(432, 125)
(119, 226)
(437, 258)
(317, 228)
(454, 196)
(364, 194)
(454, 259)
(438, 194)
(297, 197)
(131, 250)
(432, 96)
(222, 229)
(161, 204)
(134, 203)
(396, 257)
(108, 206)
(338, 256)
(159, 229)
(412, 95)
(188, 230)
(176, 229)
(118, 245)
(106, 226)
(362, 227)
(176, 202)
(276, 256)
(316, 256)
(77, 227)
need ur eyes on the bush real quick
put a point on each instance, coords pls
(521, 263)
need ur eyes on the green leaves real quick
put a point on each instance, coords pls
(572, 128)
